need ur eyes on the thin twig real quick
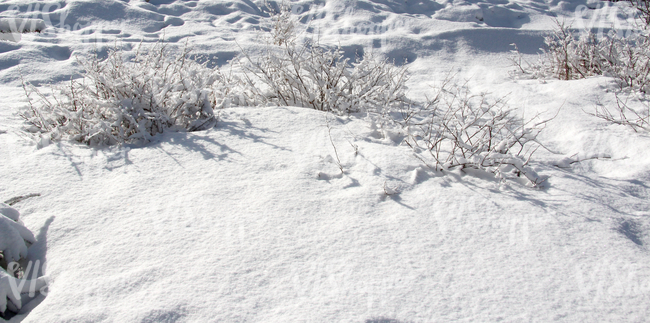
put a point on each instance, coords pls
(336, 153)
(21, 198)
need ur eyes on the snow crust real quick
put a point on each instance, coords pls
(252, 221)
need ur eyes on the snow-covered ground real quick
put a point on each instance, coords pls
(252, 221)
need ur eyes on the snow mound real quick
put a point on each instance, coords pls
(14, 236)
(9, 212)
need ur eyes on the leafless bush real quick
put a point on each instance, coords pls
(637, 119)
(570, 55)
(566, 56)
(628, 60)
(297, 72)
(457, 129)
(121, 99)
(283, 27)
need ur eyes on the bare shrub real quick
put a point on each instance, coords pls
(458, 129)
(573, 55)
(121, 99)
(566, 56)
(637, 119)
(294, 72)
(283, 27)
(628, 60)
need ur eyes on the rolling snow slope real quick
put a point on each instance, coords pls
(252, 221)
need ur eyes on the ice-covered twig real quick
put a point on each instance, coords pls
(568, 161)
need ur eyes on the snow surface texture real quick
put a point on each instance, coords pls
(252, 221)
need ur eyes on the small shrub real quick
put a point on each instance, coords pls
(565, 56)
(457, 129)
(569, 56)
(283, 27)
(121, 99)
(307, 74)
(454, 129)
(627, 59)
(637, 119)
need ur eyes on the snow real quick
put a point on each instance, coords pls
(14, 291)
(9, 212)
(18, 25)
(13, 235)
(254, 221)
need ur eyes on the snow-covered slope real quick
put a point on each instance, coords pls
(253, 221)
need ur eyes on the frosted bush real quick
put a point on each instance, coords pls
(626, 59)
(566, 56)
(569, 55)
(305, 73)
(283, 27)
(453, 130)
(457, 129)
(120, 99)
(637, 118)
(643, 8)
